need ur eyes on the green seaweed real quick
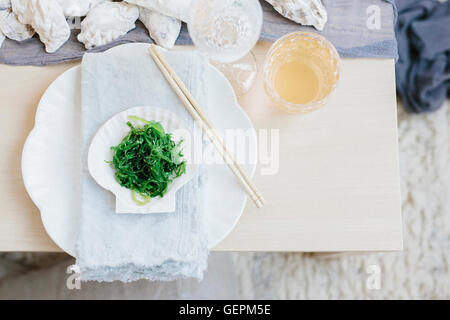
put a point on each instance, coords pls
(147, 160)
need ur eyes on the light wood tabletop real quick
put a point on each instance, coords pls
(337, 188)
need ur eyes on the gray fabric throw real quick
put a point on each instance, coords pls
(348, 28)
(423, 68)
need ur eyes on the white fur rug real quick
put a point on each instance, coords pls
(422, 270)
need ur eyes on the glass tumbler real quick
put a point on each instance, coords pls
(301, 70)
(226, 31)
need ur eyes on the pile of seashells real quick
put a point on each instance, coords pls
(107, 20)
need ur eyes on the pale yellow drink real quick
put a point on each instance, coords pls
(297, 82)
(300, 71)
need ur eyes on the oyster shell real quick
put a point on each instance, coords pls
(173, 8)
(78, 8)
(305, 12)
(5, 4)
(163, 29)
(47, 19)
(2, 38)
(107, 22)
(13, 28)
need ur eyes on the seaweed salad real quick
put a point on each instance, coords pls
(147, 160)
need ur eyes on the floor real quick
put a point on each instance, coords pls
(421, 271)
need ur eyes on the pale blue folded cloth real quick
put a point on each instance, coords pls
(357, 28)
(129, 247)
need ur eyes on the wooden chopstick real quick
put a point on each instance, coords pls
(196, 112)
(202, 115)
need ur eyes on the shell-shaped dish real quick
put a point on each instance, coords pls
(111, 134)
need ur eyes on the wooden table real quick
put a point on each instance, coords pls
(337, 189)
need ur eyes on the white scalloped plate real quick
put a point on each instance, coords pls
(111, 133)
(51, 159)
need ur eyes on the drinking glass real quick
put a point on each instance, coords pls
(282, 80)
(226, 31)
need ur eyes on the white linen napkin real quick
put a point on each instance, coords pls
(160, 246)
